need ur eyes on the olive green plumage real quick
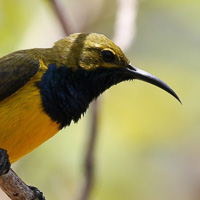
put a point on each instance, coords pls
(77, 50)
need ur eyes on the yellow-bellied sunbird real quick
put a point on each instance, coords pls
(43, 90)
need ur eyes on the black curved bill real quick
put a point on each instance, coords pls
(149, 78)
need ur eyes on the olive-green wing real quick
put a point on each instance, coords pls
(16, 69)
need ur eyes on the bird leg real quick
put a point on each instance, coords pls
(37, 193)
(12, 188)
(4, 162)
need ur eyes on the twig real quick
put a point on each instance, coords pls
(15, 188)
(89, 160)
(125, 25)
(10, 183)
(61, 14)
(125, 22)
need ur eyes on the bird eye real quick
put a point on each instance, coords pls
(107, 56)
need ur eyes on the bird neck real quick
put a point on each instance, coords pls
(66, 94)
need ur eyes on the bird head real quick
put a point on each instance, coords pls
(93, 52)
(80, 68)
(89, 51)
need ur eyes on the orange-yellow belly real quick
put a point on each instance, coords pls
(23, 123)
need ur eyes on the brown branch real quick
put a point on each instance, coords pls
(126, 9)
(15, 188)
(89, 160)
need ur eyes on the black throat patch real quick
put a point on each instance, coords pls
(66, 94)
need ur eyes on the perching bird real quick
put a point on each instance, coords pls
(44, 90)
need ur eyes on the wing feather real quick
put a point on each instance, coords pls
(16, 69)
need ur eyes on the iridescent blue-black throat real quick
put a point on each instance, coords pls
(66, 94)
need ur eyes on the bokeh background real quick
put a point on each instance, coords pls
(148, 145)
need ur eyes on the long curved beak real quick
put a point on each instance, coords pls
(149, 78)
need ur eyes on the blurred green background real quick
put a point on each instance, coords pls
(148, 144)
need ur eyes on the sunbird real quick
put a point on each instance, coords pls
(43, 90)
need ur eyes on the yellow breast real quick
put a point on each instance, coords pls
(23, 123)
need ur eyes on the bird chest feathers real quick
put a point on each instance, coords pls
(23, 124)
